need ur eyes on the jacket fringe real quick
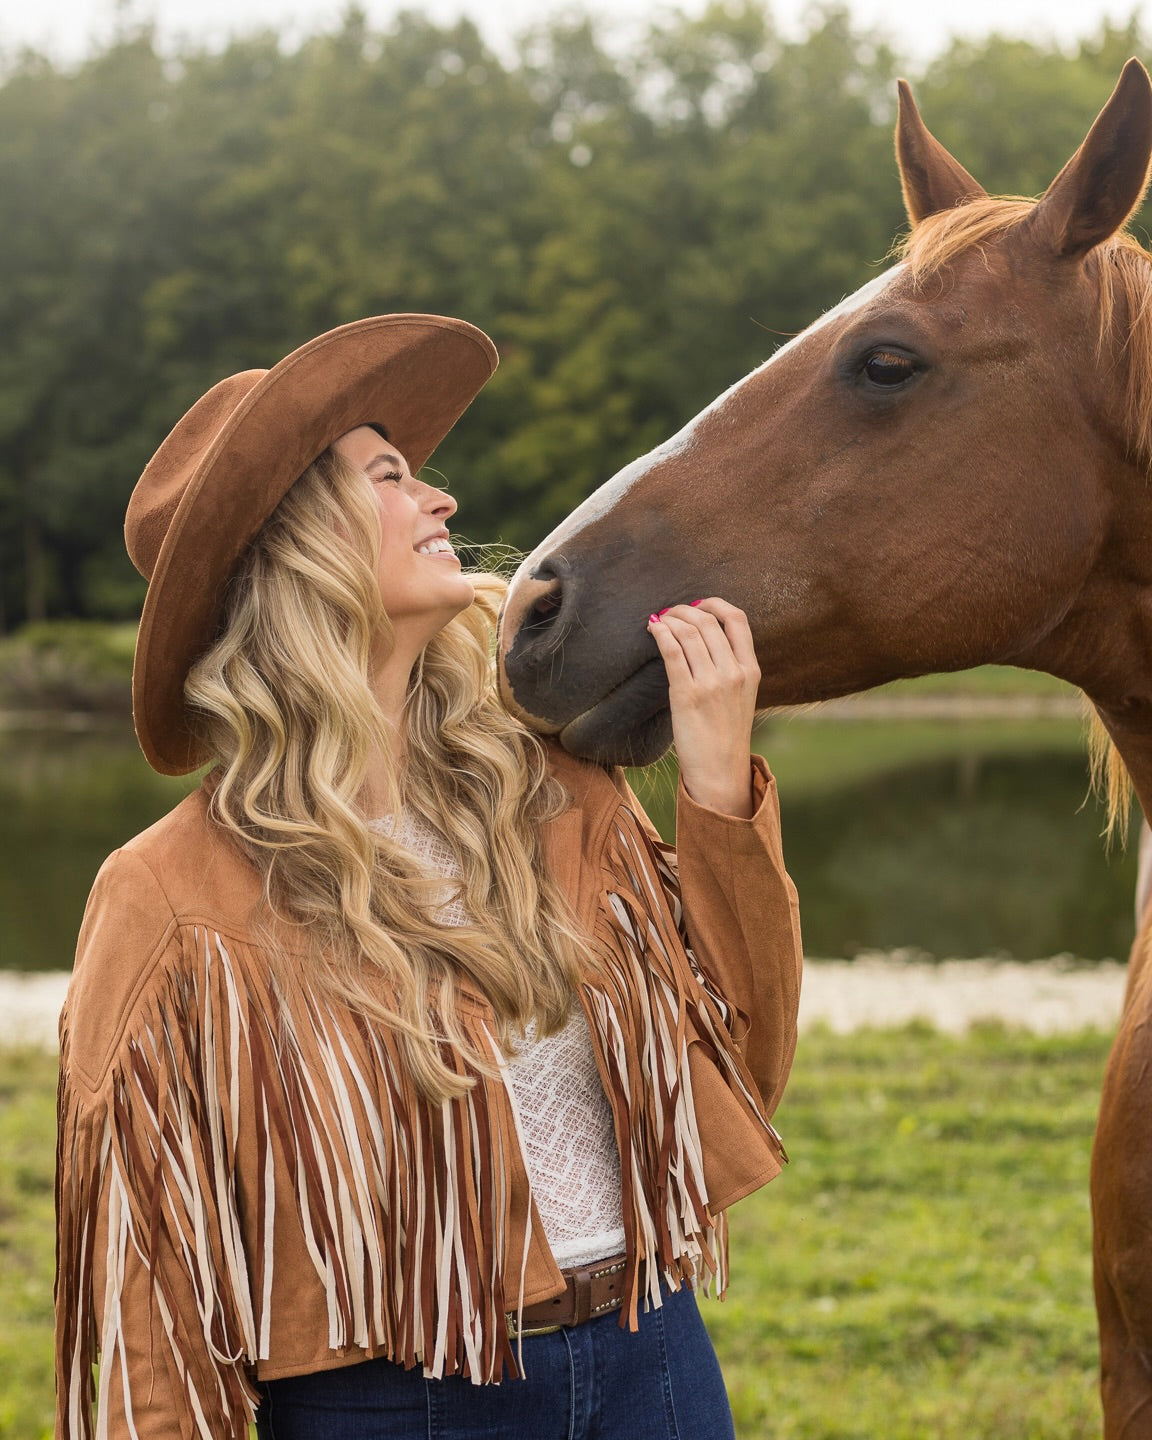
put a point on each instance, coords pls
(404, 1205)
(648, 1001)
(143, 1175)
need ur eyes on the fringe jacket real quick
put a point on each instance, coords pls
(248, 1185)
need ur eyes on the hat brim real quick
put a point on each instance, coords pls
(415, 375)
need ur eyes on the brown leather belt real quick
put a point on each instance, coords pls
(589, 1291)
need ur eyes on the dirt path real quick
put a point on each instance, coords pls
(880, 990)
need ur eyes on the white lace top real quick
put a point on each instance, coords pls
(565, 1120)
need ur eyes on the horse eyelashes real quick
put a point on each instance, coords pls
(887, 368)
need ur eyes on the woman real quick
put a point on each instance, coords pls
(404, 1079)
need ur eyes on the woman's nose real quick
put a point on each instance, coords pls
(439, 503)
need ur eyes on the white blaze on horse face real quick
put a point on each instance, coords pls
(602, 501)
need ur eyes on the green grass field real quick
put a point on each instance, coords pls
(27, 1157)
(919, 1272)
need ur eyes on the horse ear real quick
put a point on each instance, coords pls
(1102, 184)
(930, 178)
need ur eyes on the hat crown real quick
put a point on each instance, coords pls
(167, 476)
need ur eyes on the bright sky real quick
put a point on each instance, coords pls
(919, 28)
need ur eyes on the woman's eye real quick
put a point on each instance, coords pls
(888, 368)
(388, 475)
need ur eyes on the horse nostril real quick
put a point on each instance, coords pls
(544, 609)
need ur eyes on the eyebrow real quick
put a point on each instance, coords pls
(386, 459)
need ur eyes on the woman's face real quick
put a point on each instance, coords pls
(419, 574)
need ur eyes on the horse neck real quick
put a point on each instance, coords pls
(1103, 644)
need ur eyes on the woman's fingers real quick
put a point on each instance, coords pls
(672, 651)
(703, 640)
(701, 657)
(712, 682)
(713, 631)
(736, 629)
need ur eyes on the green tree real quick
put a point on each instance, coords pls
(636, 231)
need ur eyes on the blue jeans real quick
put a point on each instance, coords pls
(594, 1381)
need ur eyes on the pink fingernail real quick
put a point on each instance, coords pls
(663, 612)
(653, 618)
(696, 602)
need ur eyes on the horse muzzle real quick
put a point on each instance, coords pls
(580, 665)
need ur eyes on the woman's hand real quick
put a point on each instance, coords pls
(712, 682)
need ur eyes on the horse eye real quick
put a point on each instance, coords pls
(887, 368)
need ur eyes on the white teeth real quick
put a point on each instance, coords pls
(435, 547)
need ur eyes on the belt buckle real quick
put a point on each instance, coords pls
(514, 1334)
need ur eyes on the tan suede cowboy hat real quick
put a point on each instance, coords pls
(231, 459)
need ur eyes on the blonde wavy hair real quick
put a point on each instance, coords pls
(283, 700)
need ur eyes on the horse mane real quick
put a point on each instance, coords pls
(1122, 270)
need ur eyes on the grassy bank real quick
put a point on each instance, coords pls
(68, 666)
(919, 1272)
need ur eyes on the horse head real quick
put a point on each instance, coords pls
(948, 469)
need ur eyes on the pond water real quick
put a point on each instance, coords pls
(955, 840)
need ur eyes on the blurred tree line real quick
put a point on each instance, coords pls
(636, 232)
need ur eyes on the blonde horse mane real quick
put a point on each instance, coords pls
(1122, 269)
(1110, 779)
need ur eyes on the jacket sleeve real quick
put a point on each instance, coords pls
(147, 1284)
(742, 922)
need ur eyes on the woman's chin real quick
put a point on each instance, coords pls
(459, 594)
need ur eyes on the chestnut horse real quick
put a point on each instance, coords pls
(952, 467)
